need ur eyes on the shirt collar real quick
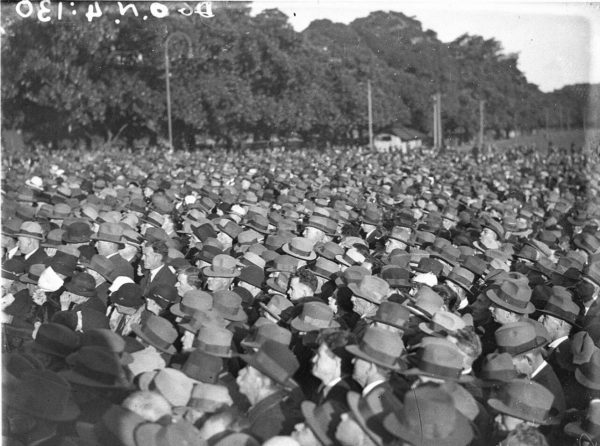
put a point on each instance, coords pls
(371, 386)
(557, 342)
(539, 369)
(330, 384)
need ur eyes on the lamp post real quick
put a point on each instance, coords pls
(190, 55)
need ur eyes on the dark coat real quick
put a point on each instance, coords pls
(122, 266)
(337, 394)
(38, 256)
(547, 378)
(277, 414)
(164, 276)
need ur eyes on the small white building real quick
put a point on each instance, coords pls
(398, 139)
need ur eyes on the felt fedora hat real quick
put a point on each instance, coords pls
(276, 361)
(462, 277)
(517, 338)
(13, 268)
(351, 257)
(524, 399)
(229, 305)
(192, 300)
(43, 394)
(353, 274)
(77, 232)
(429, 418)
(53, 238)
(329, 250)
(82, 284)
(301, 248)
(31, 229)
(214, 340)
(396, 276)
(425, 302)
(437, 358)
(56, 340)
(381, 347)
(95, 366)
(283, 263)
(392, 313)
(442, 323)
(33, 274)
(588, 373)
(276, 306)
(110, 232)
(263, 332)
(561, 305)
(512, 295)
(222, 265)
(158, 332)
(325, 268)
(314, 316)
(497, 367)
(371, 288)
(252, 274)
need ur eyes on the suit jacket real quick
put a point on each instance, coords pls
(164, 276)
(561, 360)
(547, 378)
(337, 393)
(122, 266)
(276, 414)
(38, 256)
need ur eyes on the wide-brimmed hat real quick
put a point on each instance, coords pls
(95, 366)
(31, 229)
(381, 347)
(77, 232)
(512, 295)
(329, 250)
(13, 268)
(353, 274)
(56, 339)
(283, 263)
(351, 257)
(524, 399)
(497, 367)
(442, 323)
(181, 433)
(437, 358)
(396, 276)
(517, 338)
(82, 284)
(325, 224)
(371, 288)
(222, 265)
(110, 232)
(276, 305)
(314, 316)
(214, 340)
(33, 274)
(392, 313)
(276, 361)
(229, 305)
(261, 332)
(158, 332)
(589, 427)
(253, 275)
(192, 300)
(561, 305)
(301, 248)
(259, 223)
(325, 268)
(462, 277)
(43, 394)
(425, 302)
(164, 295)
(153, 218)
(429, 418)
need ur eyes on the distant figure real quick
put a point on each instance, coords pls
(475, 153)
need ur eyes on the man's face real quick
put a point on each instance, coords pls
(217, 283)
(248, 382)
(182, 284)
(552, 324)
(325, 366)
(523, 364)
(26, 244)
(503, 316)
(487, 236)
(506, 423)
(151, 259)
(225, 239)
(106, 248)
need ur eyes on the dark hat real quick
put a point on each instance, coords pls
(381, 347)
(82, 284)
(259, 223)
(54, 238)
(325, 224)
(21, 305)
(429, 265)
(153, 218)
(95, 366)
(64, 262)
(588, 373)
(314, 316)
(426, 302)
(253, 275)
(230, 228)
(392, 313)
(329, 250)
(279, 283)
(429, 418)
(33, 275)
(462, 277)
(128, 295)
(13, 268)
(498, 367)
(396, 276)
(203, 367)
(524, 399)
(561, 305)
(56, 339)
(158, 332)
(43, 394)
(204, 231)
(276, 361)
(438, 358)
(517, 338)
(163, 295)
(512, 295)
(77, 232)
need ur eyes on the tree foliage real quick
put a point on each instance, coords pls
(254, 76)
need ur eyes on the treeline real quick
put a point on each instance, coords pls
(255, 77)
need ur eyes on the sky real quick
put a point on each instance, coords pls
(558, 42)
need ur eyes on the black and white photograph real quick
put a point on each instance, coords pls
(300, 223)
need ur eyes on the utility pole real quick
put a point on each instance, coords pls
(439, 120)
(435, 123)
(546, 116)
(481, 105)
(560, 117)
(370, 115)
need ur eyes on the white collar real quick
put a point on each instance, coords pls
(539, 369)
(557, 342)
(26, 256)
(330, 384)
(371, 386)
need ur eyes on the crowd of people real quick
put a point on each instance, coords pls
(306, 297)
